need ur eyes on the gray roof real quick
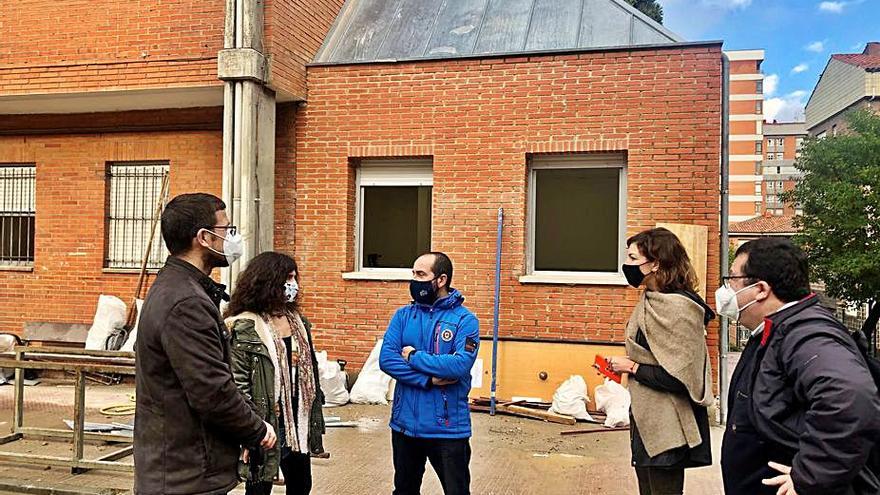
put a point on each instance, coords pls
(785, 129)
(391, 30)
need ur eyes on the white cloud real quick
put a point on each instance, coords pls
(786, 108)
(816, 46)
(837, 7)
(771, 82)
(833, 7)
(802, 67)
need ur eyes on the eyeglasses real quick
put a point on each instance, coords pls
(727, 278)
(231, 229)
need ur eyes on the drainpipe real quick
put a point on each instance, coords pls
(723, 344)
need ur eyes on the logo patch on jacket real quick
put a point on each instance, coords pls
(470, 345)
(446, 335)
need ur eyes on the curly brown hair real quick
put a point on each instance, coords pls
(260, 287)
(675, 272)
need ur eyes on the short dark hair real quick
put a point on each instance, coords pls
(185, 215)
(442, 266)
(260, 287)
(780, 263)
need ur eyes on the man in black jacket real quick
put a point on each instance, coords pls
(803, 409)
(191, 420)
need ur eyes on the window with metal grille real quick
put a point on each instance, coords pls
(17, 213)
(133, 191)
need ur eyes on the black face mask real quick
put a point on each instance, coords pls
(633, 274)
(423, 292)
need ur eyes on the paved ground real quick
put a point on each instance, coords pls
(510, 455)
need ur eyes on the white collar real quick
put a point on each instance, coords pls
(760, 327)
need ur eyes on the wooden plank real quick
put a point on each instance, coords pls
(56, 332)
(594, 430)
(18, 408)
(45, 460)
(10, 438)
(118, 454)
(67, 351)
(91, 368)
(538, 414)
(55, 434)
(520, 364)
(79, 418)
(695, 239)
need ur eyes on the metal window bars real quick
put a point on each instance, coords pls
(132, 192)
(17, 214)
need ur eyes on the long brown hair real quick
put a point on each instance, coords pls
(260, 287)
(675, 272)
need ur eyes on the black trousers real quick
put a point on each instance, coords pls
(297, 470)
(660, 481)
(450, 458)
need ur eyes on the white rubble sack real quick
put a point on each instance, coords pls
(571, 399)
(332, 381)
(109, 315)
(614, 401)
(372, 383)
(128, 346)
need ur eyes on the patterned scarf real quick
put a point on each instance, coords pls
(283, 371)
(304, 379)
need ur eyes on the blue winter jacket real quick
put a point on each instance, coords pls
(446, 336)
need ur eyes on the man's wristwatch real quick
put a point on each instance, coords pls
(410, 355)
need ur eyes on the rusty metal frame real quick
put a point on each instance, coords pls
(80, 362)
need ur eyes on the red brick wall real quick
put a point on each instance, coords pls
(479, 119)
(294, 32)
(70, 194)
(67, 45)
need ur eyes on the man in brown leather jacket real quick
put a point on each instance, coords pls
(190, 419)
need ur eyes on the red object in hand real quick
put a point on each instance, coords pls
(604, 368)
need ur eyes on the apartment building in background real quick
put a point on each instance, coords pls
(782, 145)
(850, 81)
(746, 134)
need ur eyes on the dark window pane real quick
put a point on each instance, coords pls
(17, 239)
(396, 225)
(576, 219)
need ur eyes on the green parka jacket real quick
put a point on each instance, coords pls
(254, 374)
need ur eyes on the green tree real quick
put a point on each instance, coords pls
(840, 198)
(650, 8)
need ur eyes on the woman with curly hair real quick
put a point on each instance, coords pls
(667, 362)
(274, 365)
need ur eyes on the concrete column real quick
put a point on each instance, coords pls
(248, 131)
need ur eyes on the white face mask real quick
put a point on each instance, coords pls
(291, 289)
(726, 303)
(233, 246)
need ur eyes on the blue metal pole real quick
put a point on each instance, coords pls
(495, 319)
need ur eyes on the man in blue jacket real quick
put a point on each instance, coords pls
(429, 348)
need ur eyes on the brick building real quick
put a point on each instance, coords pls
(585, 121)
(97, 101)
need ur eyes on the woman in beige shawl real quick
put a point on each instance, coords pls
(667, 362)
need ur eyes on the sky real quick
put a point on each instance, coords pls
(798, 37)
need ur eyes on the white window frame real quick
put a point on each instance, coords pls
(591, 160)
(385, 172)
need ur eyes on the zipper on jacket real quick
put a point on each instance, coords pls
(445, 406)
